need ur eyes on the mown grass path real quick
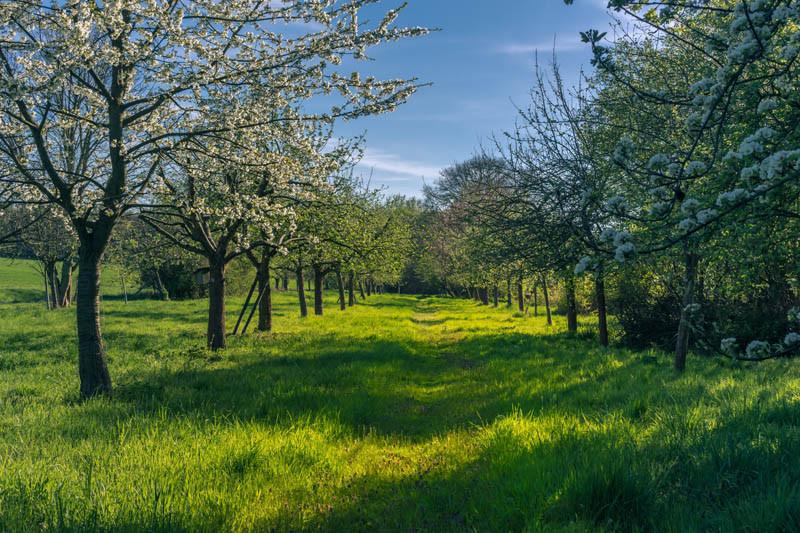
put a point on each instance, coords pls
(402, 414)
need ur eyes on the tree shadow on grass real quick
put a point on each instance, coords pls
(414, 392)
(383, 387)
(27, 342)
(388, 387)
(171, 315)
(430, 321)
(742, 474)
(21, 296)
(395, 387)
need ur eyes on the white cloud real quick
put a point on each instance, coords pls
(388, 163)
(560, 45)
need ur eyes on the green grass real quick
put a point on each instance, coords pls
(401, 414)
(21, 281)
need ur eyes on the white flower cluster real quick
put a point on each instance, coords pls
(660, 209)
(759, 349)
(617, 205)
(729, 346)
(624, 151)
(732, 197)
(779, 164)
(658, 162)
(792, 339)
(695, 216)
(585, 264)
(624, 249)
(766, 105)
(695, 168)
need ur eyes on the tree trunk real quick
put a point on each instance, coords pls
(602, 313)
(361, 290)
(369, 287)
(509, 301)
(301, 292)
(682, 341)
(520, 296)
(51, 292)
(319, 280)
(572, 306)
(55, 294)
(163, 294)
(124, 287)
(215, 335)
(48, 304)
(340, 286)
(65, 287)
(351, 289)
(535, 299)
(285, 281)
(547, 302)
(484, 295)
(495, 296)
(265, 303)
(92, 367)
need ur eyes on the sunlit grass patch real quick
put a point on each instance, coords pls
(399, 414)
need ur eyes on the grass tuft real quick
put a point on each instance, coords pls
(611, 496)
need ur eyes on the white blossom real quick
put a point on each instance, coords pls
(729, 346)
(758, 349)
(658, 161)
(624, 252)
(732, 197)
(690, 206)
(695, 168)
(624, 150)
(586, 263)
(766, 105)
(617, 204)
(791, 339)
(607, 235)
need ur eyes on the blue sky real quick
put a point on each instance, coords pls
(480, 64)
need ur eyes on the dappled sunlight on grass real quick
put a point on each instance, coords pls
(402, 413)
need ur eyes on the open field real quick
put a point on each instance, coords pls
(403, 413)
(21, 282)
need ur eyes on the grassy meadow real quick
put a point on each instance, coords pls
(404, 413)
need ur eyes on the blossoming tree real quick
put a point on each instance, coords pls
(95, 97)
(731, 157)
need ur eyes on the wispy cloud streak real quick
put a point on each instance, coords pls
(385, 162)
